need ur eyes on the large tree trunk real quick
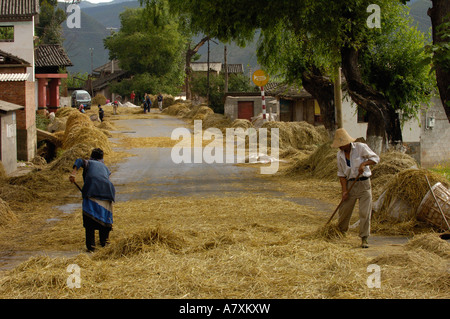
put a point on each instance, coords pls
(189, 54)
(322, 89)
(440, 9)
(384, 122)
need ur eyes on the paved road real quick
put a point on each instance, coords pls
(151, 172)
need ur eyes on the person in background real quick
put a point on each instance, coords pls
(160, 101)
(98, 196)
(149, 102)
(81, 108)
(353, 161)
(101, 113)
(132, 96)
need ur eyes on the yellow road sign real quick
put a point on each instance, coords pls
(260, 78)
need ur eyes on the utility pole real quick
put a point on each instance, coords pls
(207, 78)
(91, 50)
(338, 98)
(111, 30)
(226, 69)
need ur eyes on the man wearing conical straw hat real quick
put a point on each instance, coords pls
(353, 161)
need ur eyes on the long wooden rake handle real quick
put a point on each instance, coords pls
(77, 186)
(340, 204)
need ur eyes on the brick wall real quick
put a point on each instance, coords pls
(22, 93)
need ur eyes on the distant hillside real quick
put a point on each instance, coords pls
(78, 41)
(96, 18)
(418, 10)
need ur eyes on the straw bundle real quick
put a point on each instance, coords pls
(66, 160)
(328, 231)
(3, 175)
(215, 120)
(18, 194)
(299, 135)
(241, 123)
(7, 216)
(391, 163)
(178, 109)
(199, 112)
(322, 163)
(77, 120)
(432, 243)
(89, 136)
(65, 111)
(140, 242)
(58, 124)
(411, 186)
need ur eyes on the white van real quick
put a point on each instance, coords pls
(81, 97)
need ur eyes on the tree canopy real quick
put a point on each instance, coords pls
(151, 49)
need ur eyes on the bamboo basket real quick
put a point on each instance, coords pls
(428, 210)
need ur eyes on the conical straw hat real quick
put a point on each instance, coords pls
(342, 138)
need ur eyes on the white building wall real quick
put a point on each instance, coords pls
(23, 45)
(410, 131)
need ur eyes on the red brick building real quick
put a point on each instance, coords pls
(16, 88)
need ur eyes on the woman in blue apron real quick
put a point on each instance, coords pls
(98, 196)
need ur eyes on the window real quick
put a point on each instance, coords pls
(363, 116)
(6, 33)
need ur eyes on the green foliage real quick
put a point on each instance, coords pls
(441, 49)
(76, 80)
(42, 122)
(49, 29)
(149, 48)
(396, 63)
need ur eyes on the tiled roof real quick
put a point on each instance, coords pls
(8, 107)
(8, 58)
(107, 67)
(286, 91)
(18, 9)
(51, 55)
(102, 82)
(13, 77)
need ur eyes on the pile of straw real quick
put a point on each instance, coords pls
(391, 163)
(177, 109)
(7, 216)
(322, 163)
(81, 130)
(410, 186)
(300, 135)
(199, 112)
(141, 242)
(66, 160)
(215, 120)
(240, 123)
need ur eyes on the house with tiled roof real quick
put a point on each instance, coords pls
(51, 59)
(17, 30)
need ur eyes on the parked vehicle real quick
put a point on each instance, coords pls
(81, 97)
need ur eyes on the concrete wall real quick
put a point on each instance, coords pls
(435, 142)
(231, 105)
(23, 45)
(8, 134)
(428, 146)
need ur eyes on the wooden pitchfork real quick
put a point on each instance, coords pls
(342, 201)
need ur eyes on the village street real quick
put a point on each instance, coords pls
(149, 173)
